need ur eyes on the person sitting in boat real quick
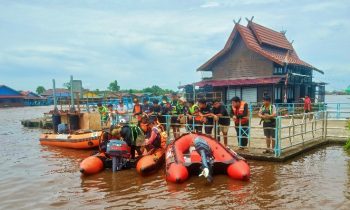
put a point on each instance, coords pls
(153, 137)
(103, 112)
(203, 148)
(131, 135)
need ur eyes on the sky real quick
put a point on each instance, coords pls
(156, 42)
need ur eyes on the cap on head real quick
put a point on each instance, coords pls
(99, 104)
(155, 101)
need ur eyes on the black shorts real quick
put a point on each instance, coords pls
(175, 121)
(306, 111)
(269, 129)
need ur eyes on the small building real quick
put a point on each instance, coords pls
(61, 93)
(258, 61)
(10, 97)
(33, 99)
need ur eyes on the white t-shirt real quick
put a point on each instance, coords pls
(123, 109)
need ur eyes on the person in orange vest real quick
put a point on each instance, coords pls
(137, 111)
(240, 116)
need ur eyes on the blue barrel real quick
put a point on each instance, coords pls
(74, 122)
(56, 120)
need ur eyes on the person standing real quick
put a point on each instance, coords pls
(146, 107)
(155, 110)
(267, 113)
(103, 113)
(122, 111)
(176, 111)
(307, 104)
(137, 110)
(223, 119)
(240, 116)
(205, 111)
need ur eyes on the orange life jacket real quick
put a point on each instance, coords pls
(240, 111)
(137, 109)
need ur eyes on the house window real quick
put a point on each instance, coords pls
(278, 93)
(290, 93)
(278, 70)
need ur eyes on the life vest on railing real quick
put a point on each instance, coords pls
(240, 111)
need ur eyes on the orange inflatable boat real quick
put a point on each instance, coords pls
(149, 163)
(78, 140)
(182, 159)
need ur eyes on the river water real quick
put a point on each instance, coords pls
(40, 177)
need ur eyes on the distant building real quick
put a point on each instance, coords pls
(258, 61)
(33, 99)
(10, 97)
(61, 94)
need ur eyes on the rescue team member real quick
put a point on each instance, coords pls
(205, 111)
(240, 116)
(111, 115)
(153, 138)
(137, 110)
(146, 107)
(268, 115)
(176, 111)
(191, 106)
(222, 117)
(103, 112)
(155, 110)
(166, 111)
(129, 134)
(122, 110)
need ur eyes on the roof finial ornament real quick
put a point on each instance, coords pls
(251, 19)
(284, 32)
(237, 22)
(292, 41)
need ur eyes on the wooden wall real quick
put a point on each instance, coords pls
(242, 62)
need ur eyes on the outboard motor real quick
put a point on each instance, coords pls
(206, 154)
(119, 151)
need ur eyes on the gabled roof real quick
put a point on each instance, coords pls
(6, 91)
(271, 44)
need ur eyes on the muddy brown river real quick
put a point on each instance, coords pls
(40, 177)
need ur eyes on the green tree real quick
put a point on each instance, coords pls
(66, 85)
(113, 86)
(40, 90)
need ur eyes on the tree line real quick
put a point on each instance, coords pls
(115, 87)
